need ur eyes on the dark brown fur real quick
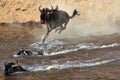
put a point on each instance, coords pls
(55, 19)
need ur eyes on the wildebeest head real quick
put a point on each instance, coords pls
(23, 52)
(8, 68)
(46, 13)
(12, 67)
(43, 15)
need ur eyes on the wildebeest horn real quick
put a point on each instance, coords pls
(40, 8)
(51, 7)
(56, 7)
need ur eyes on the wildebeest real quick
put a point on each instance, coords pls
(29, 53)
(12, 67)
(55, 19)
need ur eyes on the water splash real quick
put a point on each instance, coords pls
(68, 64)
(59, 47)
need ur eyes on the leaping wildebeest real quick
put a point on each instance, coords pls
(55, 19)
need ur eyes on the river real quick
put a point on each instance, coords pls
(83, 58)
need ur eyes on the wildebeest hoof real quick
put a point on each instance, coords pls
(56, 30)
(60, 31)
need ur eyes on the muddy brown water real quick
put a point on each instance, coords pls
(85, 58)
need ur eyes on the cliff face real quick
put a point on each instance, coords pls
(91, 10)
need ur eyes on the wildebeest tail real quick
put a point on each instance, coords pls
(75, 12)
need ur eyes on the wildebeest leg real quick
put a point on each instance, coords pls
(64, 26)
(59, 28)
(45, 36)
(66, 23)
(48, 30)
